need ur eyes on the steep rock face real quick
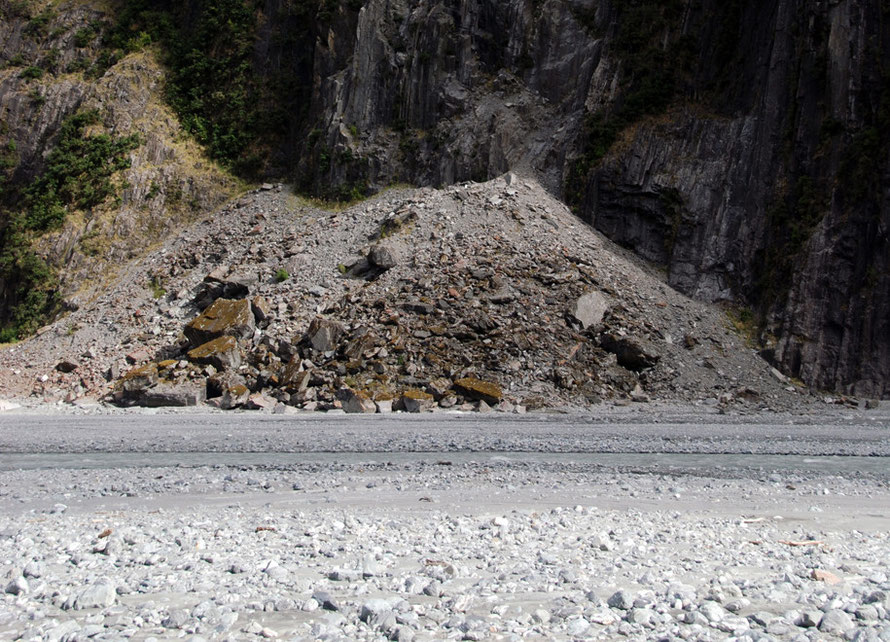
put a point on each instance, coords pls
(439, 92)
(751, 185)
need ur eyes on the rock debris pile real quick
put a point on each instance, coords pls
(477, 296)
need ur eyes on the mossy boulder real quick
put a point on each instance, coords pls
(474, 388)
(234, 397)
(414, 400)
(222, 353)
(225, 317)
(137, 380)
(356, 401)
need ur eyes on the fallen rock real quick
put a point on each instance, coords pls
(631, 353)
(137, 380)
(262, 309)
(384, 255)
(222, 381)
(219, 284)
(476, 389)
(67, 365)
(222, 353)
(414, 400)
(356, 402)
(324, 334)
(259, 401)
(179, 395)
(234, 397)
(224, 317)
(137, 356)
(589, 309)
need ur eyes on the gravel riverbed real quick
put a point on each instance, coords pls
(474, 546)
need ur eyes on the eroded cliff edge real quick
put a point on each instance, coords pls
(743, 146)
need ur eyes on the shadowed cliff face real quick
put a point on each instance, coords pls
(742, 145)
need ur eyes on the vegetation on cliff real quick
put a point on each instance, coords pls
(80, 174)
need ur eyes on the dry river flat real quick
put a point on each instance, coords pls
(639, 523)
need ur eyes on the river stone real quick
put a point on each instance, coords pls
(222, 353)
(98, 595)
(836, 622)
(589, 309)
(622, 599)
(223, 317)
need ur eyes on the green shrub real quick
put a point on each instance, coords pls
(37, 26)
(281, 275)
(78, 172)
(78, 175)
(31, 73)
(84, 36)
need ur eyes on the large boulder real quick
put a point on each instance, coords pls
(631, 353)
(356, 402)
(222, 353)
(474, 388)
(225, 317)
(137, 381)
(181, 395)
(384, 255)
(220, 284)
(589, 309)
(324, 334)
(414, 400)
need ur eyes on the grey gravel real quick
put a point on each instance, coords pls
(461, 545)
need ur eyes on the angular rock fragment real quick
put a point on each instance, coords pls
(262, 310)
(224, 317)
(631, 353)
(259, 401)
(479, 390)
(222, 353)
(138, 380)
(67, 365)
(414, 400)
(220, 284)
(222, 381)
(589, 309)
(181, 395)
(324, 334)
(384, 255)
(356, 402)
(234, 397)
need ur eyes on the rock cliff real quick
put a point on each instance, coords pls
(742, 146)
